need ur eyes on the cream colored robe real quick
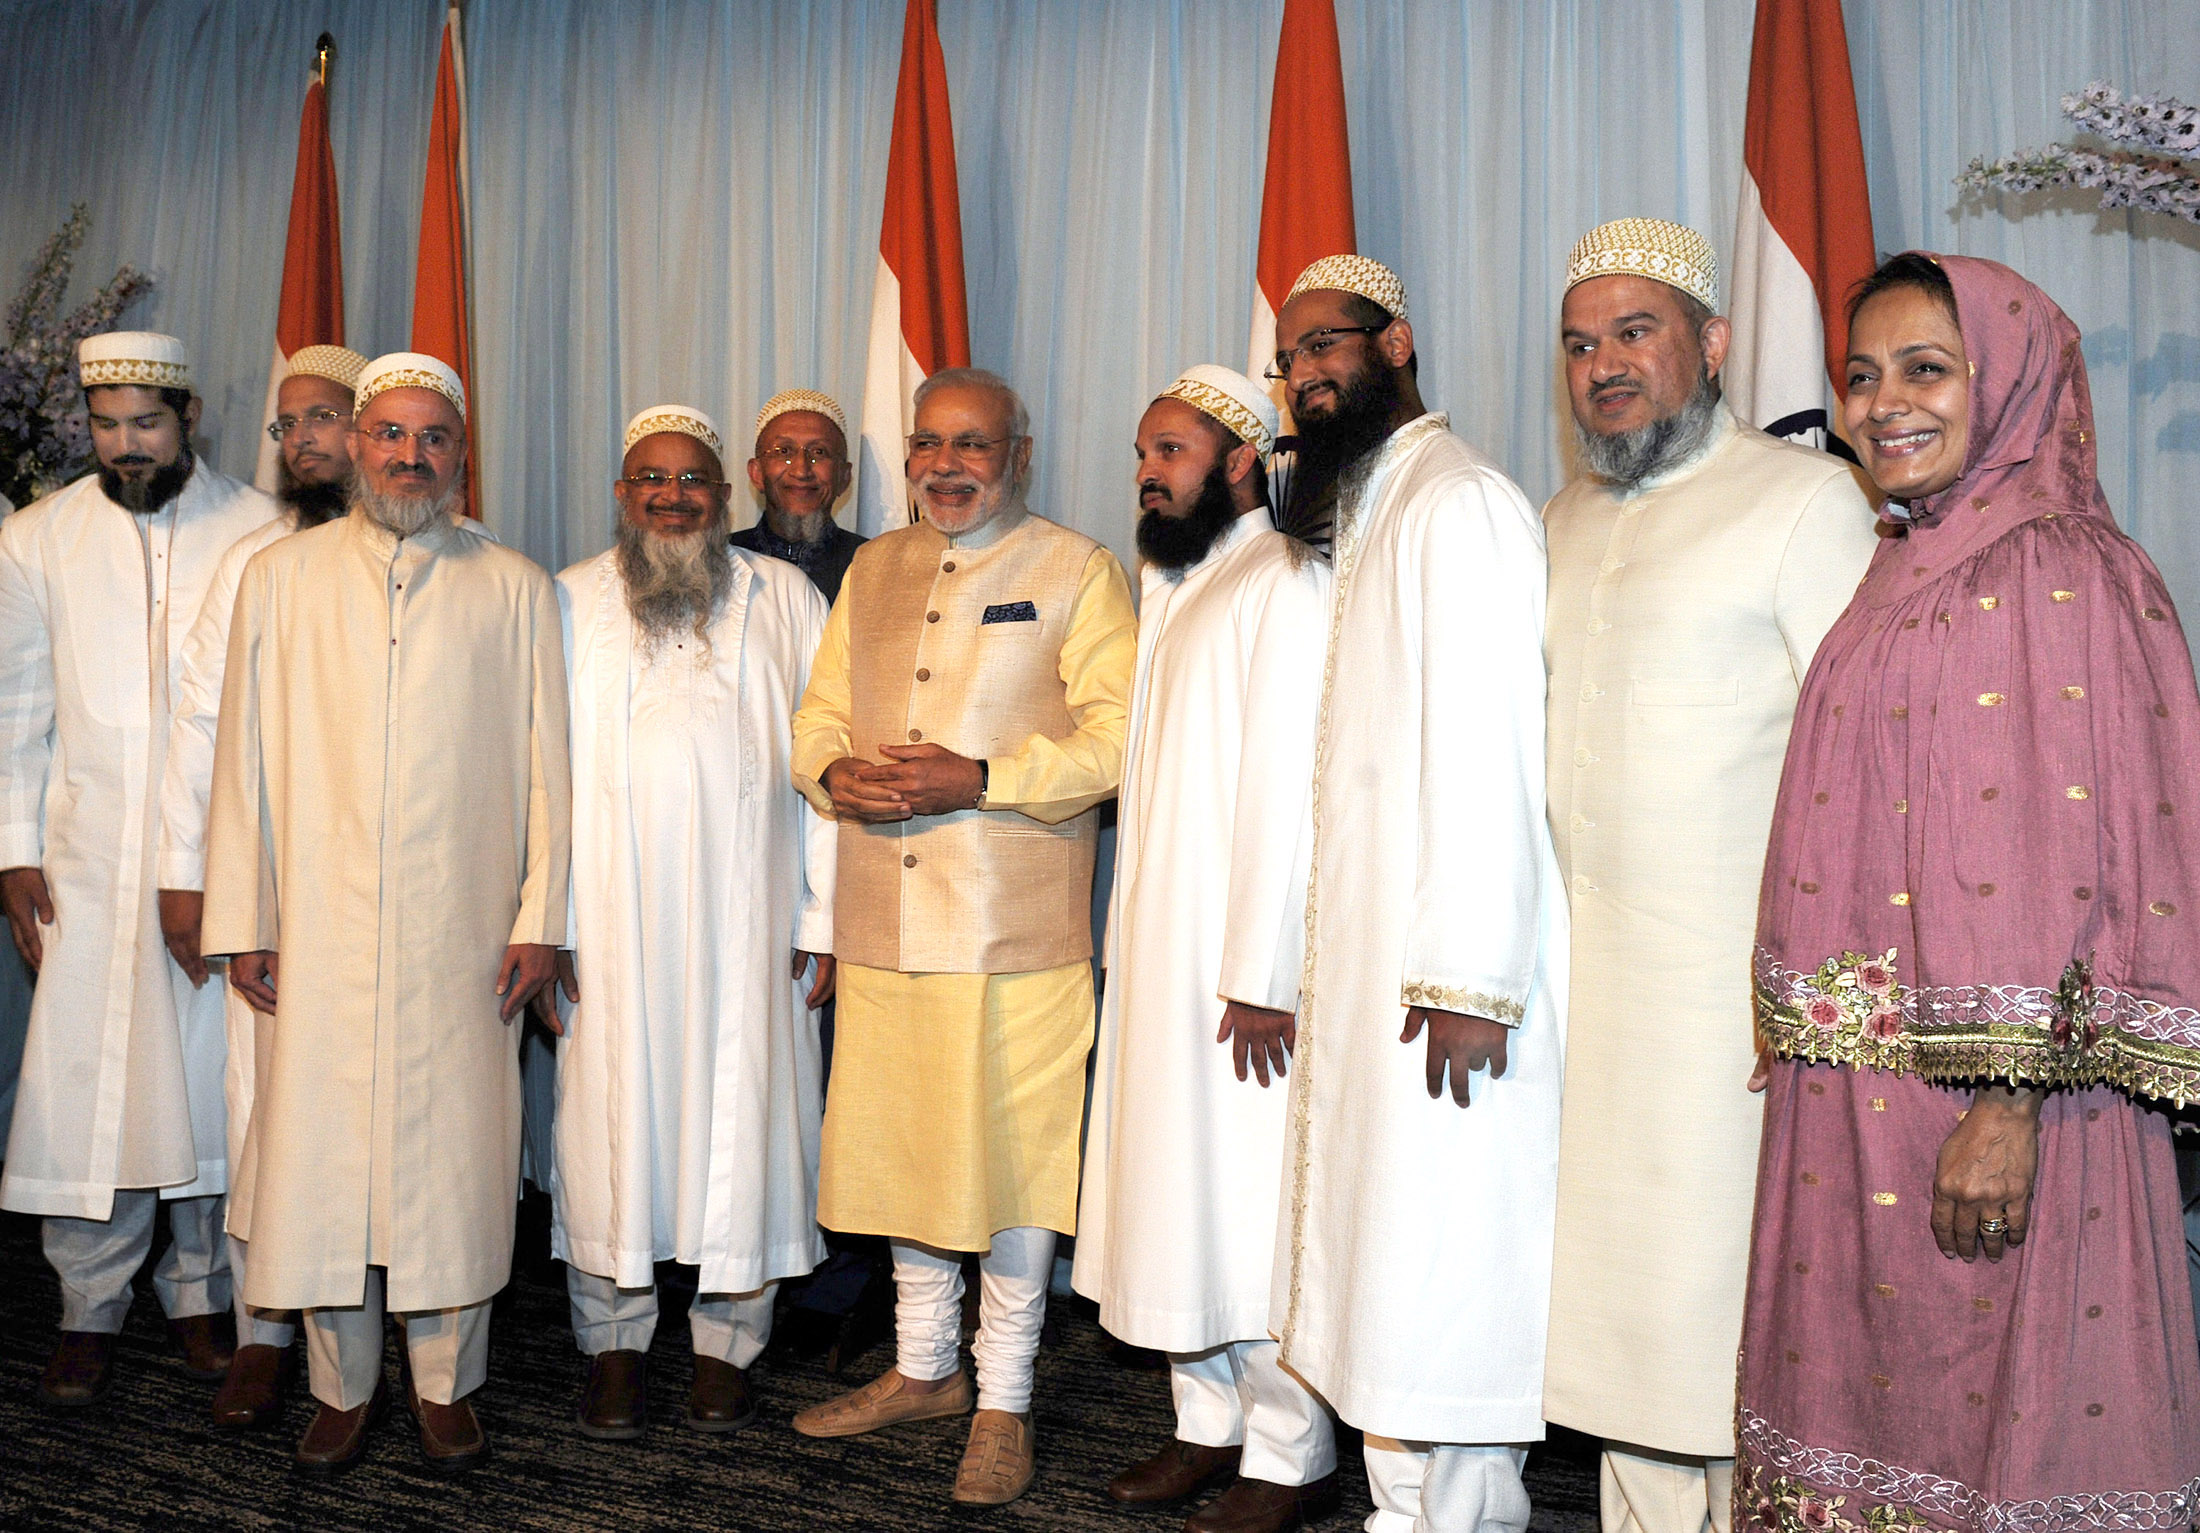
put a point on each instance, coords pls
(1682, 618)
(389, 810)
(1413, 1267)
(1183, 1161)
(122, 1071)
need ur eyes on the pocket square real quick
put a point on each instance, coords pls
(1010, 612)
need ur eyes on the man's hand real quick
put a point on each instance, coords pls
(1761, 1077)
(23, 895)
(823, 987)
(545, 1003)
(180, 913)
(1259, 1035)
(1463, 1042)
(1985, 1173)
(523, 971)
(857, 795)
(930, 779)
(255, 976)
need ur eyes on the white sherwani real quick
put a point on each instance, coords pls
(1683, 616)
(689, 1095)
(122, 1072)
(389, 811)
(1177, 1226)
(1413, 1268)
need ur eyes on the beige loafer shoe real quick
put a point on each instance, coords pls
(883, 1402)
(997, 1466)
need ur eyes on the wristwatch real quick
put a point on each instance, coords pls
(985, 781)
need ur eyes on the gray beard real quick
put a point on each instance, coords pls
(797, 529)
(1627, 458)
(405, 515)
(674, 584)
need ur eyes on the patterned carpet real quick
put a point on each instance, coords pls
(147, 1458)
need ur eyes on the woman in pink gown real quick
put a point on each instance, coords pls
(1977, 971)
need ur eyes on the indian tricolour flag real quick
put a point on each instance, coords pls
(442, 316)
(311, 310)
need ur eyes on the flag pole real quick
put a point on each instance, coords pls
(324, 49)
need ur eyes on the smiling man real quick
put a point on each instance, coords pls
(965, 715)
(1694, 567)
(121, 1097)
(800, 472)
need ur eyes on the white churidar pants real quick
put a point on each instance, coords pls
(1240, 1393)
(448, 1349)
(257, 1327)
(1445, 1487)
(1012, 1305)
(732, 1327)
(1642, 1490)
(96, 1258)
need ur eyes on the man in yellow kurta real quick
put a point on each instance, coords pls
(386, 857)
(965, 715)
(1694, 567)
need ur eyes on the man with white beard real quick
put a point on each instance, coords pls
(688, 1078)
(386, 864)
(121, 1096)
(1184, 1157)
(313, 428)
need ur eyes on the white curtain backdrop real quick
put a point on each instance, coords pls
(679, 199)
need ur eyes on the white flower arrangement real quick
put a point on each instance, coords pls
(2154, 177)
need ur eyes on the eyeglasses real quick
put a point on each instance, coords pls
(432, 439)
(687, 483)
(926, 444)
(313, 420)
(787, 456)
(1315, 344)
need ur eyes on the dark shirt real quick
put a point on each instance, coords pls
(824, 561)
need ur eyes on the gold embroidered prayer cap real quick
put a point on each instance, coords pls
(1230, 397)
(409, 370)
(338, 364)
(1360, 274)
(139, 358)
(788, 400)
(685, 419)
(1664, 252)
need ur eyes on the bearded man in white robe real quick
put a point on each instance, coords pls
(121, 1087)
(1184, 1154)
(1413, 1270)
(386, 867)
(689, 1096)
(312, 429)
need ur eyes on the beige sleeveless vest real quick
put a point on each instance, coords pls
(963, 647)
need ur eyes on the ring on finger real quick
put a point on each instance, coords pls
(1993, 1226)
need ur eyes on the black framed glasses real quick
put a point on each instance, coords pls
(1315, 343)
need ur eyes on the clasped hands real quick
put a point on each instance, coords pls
(913, 780)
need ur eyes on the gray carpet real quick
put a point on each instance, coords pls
(147, 1457)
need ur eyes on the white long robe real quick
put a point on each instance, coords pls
(1413, 1268)
(121, 1083)
(1183, 1161)
(389, 810)
(689, 1092)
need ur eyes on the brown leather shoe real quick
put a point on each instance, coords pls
(451, 1439)
(252, 1394)
(206, 1343)
(719, 1399)
(998, 1462)
(615, 1403)
(1178, 1472)
(336, 1440)
(1262, 1506)
(884, 1401)
(80, 1371)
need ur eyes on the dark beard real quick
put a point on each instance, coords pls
(1176, 543)
(1335, 452)
(144, 497)
(1627, 458)
(675, 583)
(310, 502)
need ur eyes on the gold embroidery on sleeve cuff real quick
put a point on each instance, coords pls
(1476, 1003)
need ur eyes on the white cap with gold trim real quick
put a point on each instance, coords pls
(681, 418)
(1673, 254)
(1241, 405)
(141, 358)
(410, 370)
(1360, 274)
(787, 401)
(338, 364)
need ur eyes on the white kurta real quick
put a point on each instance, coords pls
(389, 811)
(689, 1092)
(1683, 616)
(1183, 1161)
(1413, 1269)
(122, 1071)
